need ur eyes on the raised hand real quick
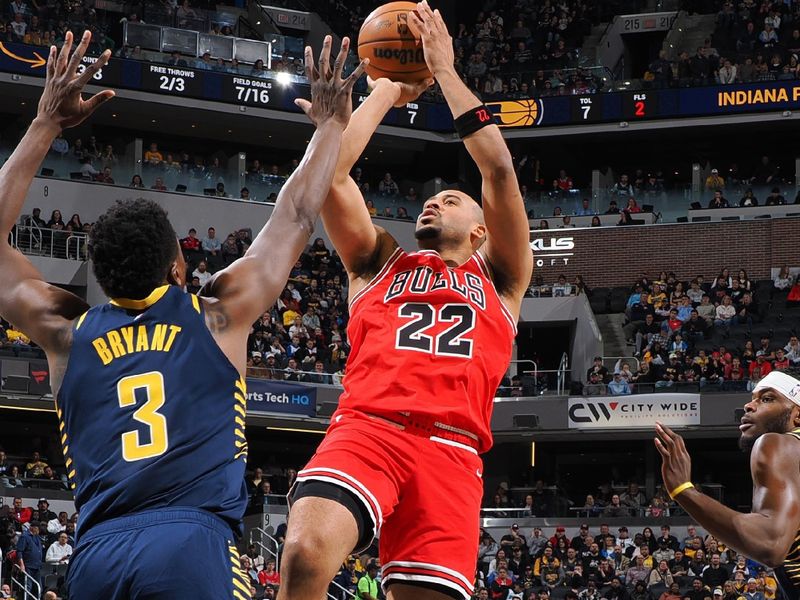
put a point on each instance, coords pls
(331, 96)
(676, 464)
(436, 41)
(61, 103)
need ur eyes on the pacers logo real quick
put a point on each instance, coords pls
(517, 113)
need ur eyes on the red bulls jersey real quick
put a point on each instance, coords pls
(431, 341)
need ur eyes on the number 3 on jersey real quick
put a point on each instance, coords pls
(153, 385)
(450, 342)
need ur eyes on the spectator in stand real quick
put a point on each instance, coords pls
(748, 199)
(387, 186)
(718, 201)
(136, 182)
(775, 198)
(59, 551)
(152, 157)
(621, 189)
(29, 555)
(599, 369)
(618, 386)
(783, 280)
(715, 182)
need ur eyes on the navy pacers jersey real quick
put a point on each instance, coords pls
(151, 412)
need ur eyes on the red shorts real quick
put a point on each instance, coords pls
(423, 495)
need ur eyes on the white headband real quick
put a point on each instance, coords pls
(785, 384)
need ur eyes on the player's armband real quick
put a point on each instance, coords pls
(474, 120)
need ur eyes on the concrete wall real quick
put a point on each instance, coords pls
(587, 342)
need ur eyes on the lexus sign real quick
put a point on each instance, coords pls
(643, 411)
(553, 252)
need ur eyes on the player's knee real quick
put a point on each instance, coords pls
(301, 555)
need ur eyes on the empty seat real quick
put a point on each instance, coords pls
(618, 299)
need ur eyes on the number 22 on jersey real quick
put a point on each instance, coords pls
(152, 384)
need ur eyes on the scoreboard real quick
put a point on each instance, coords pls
(524, 113)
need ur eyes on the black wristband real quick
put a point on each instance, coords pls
(474, 120)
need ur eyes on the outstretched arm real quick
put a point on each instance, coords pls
(362, 246)
(240, 293)
(41, 310)
(766, 533)
(507, 245)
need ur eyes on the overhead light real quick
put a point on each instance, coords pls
(296, 430)
(153, 121)
(22, 103)
(193, 126)
(258, 22)
(533, 454)
(283, 79)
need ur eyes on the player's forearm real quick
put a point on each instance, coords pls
(21, 167)
(362, 126)
(748, 533)
(486, 147)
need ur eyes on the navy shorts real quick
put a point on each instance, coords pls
(175, 554)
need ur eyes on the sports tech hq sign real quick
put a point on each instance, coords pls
(626, 412)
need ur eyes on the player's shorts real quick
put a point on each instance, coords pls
(421, 494)
(163, 554)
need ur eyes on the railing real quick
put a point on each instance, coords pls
(556, 290)
(310, 377)
(32, 482)
(344, 594)
(681, 387)
(259, 542)
(563, 370)
(52, 243)
(24, 583)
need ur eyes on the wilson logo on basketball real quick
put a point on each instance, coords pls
(39, 376)
(404, 56)
(517, 113)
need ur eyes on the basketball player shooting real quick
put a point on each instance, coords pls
(431, 333)
(149, 388)
(770, 432)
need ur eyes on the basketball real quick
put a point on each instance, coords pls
(394, 51)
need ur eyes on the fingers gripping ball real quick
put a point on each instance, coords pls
(393, 48)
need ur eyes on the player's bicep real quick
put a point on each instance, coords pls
(349, 225)
(39, 309)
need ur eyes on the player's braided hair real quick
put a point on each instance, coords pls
(132, 246)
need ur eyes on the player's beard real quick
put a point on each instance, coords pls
(427, 232)
(779, 424)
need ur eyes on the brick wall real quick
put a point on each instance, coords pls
(612, 256)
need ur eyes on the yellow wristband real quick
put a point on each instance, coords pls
(681, 488)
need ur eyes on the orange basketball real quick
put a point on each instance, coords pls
(391, 46)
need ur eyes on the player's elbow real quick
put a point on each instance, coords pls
(499, 168)
(771, 558)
